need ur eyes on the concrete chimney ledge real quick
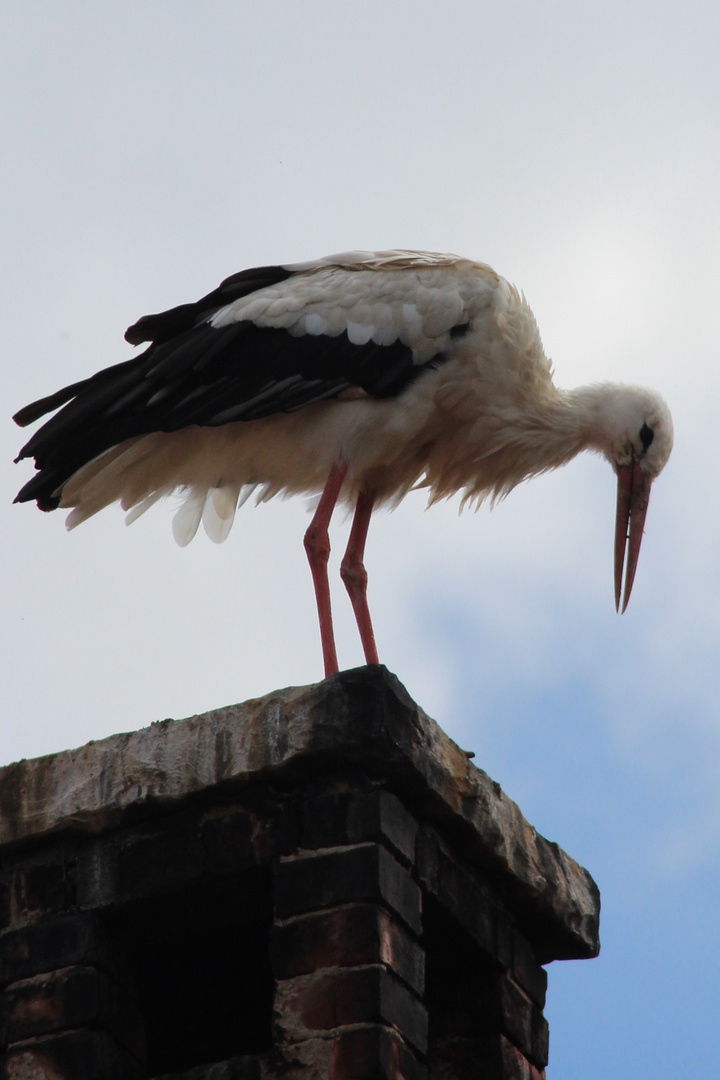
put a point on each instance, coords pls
(363, 718)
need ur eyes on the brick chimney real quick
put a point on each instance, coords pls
(318, 884)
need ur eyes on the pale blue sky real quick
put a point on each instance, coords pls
(151, 150)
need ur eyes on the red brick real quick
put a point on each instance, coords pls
(328, 878)
(74, 1055)
(347, 936)
(338, 997)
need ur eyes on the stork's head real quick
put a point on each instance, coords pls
(635, 433)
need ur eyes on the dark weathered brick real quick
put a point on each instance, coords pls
(275, 818)
(540, 1039)
(514, 1064)
(324, 821)
(460, 1058)
(228, 841)
(527, 971)
(261, 829)
(339, 819)
(491, 1005)
(280, 835)
(151, 860)
(464, 897)
(504, 930)
(347, 936)
(515, 1018)
(336, 997)
(42, 889)
(403, 1009)
(374, 1052)
(381, 815)
(247, 1067)
(98, 874)
(484, 1058)
(365, 872)
(73, 1055)
(159, 859)
(72, 997)
(50, 944)
(5, 907)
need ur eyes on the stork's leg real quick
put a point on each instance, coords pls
(317, 545)
(354, 574)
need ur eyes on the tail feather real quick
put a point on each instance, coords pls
(219, 512)
(139, 509)
(187, 519)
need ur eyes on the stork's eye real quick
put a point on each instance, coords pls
(646, 436)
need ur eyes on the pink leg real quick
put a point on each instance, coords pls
(354, 574)
(317, 545)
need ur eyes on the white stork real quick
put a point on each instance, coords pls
(359, 376)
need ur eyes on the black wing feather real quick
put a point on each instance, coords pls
(196, 374)
(168, 324)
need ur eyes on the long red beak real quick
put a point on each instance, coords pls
(632, 503)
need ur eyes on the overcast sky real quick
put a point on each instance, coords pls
(151, 149)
